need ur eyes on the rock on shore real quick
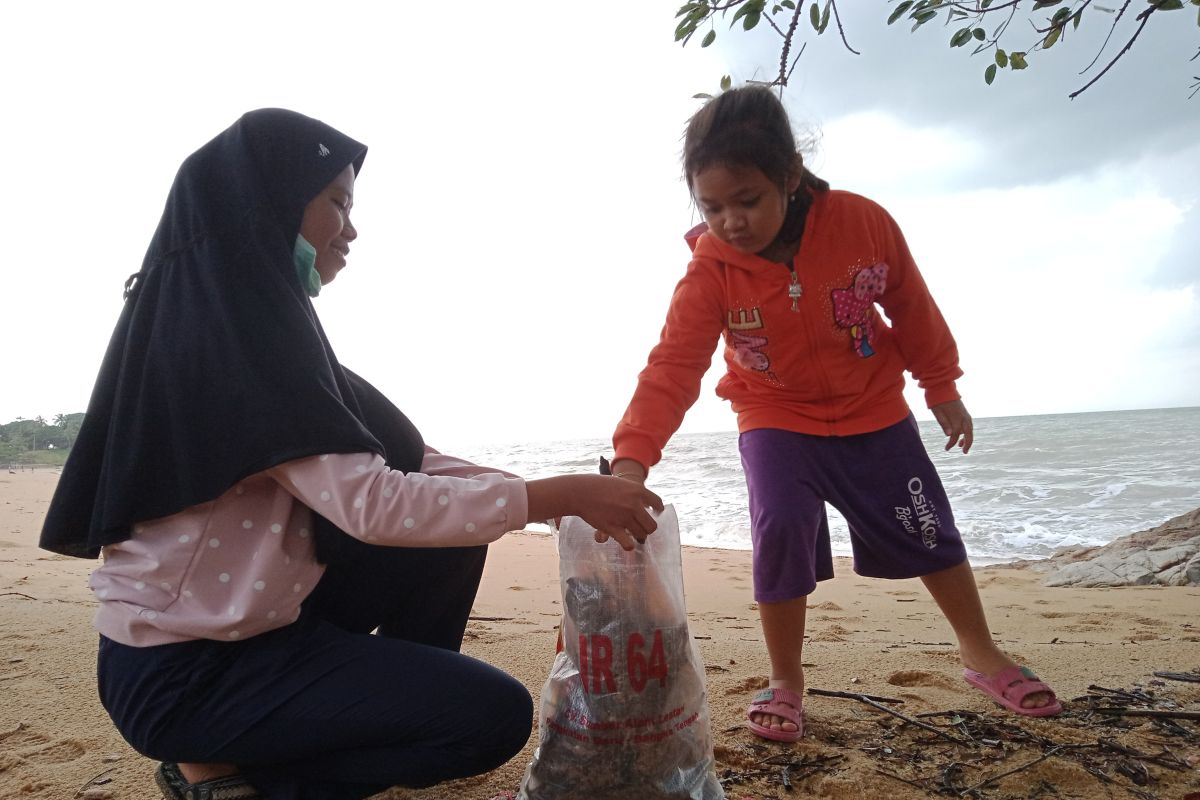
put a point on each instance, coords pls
(1168, 555)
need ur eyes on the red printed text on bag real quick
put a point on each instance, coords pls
(643, 663)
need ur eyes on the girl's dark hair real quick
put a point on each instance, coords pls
(748, 127)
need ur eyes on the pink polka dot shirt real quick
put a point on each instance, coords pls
(241, 565)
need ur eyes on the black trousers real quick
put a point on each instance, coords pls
(322, 708)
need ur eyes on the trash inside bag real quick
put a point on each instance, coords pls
(624, 712)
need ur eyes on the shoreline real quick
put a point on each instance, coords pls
(884, 638)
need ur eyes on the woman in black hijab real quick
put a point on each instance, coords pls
(261, 509)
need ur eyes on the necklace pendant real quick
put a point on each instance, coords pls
(795, 291)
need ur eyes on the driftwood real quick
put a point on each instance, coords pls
(1148, 712)
(1188, 677)
(879, 704)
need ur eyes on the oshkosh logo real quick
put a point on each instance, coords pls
(322, 150)
(919, 519)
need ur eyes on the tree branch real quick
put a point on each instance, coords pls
(787, 46)
(841, 28)
(1145, 17)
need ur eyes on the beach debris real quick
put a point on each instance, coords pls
(1188, 677)
(782, 769)
(1118, 737)
(1149, 712)
(878, 704)
(972, 789)
(90, 790)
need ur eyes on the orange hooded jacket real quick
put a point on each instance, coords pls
(828, 364)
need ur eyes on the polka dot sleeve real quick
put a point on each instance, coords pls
(369, 501)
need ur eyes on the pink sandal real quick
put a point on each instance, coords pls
(1009, 687)
(782, 703)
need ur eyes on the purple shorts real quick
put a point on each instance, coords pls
(883, 483)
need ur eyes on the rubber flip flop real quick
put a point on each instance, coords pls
(781, 703)
(1009, 687)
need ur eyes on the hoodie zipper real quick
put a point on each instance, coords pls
(795, 290)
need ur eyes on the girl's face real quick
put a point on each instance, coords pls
(741, 205)
(326, 224)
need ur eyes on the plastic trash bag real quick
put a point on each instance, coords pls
(624, 712)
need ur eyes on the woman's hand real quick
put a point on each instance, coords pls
(956, 423)
(615, 508)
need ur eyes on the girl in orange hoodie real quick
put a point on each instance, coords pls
(790, 272)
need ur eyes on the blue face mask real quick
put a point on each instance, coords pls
(305, 257)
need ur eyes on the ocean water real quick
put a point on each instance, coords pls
(1029, 486)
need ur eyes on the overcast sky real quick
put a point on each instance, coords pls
(521, 210)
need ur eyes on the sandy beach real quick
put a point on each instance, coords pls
(865, 636)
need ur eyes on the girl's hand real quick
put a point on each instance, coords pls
(629, 469)
(615, 508)
(956, 423)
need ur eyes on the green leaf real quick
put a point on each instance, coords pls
(1017, 60)
(726, 82)
(825, 17)
(814, 16)
(751, 20)
(709, 38)
(1051, 38)
(989, 74)
(960, 37)
(1167, 5)
(1001, 58)
(702, 96)
(788, 4)
(1045, 4)
(1079, 15)
(899, 12)
(922, 18)
(985, 3)
(979, 34)
(1060, 16)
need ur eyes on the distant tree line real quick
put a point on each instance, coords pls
(29, 439)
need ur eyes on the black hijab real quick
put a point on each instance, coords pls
(218, 367)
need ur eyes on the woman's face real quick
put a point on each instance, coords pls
(326, 224)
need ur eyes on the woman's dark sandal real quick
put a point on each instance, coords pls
(175, 787)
